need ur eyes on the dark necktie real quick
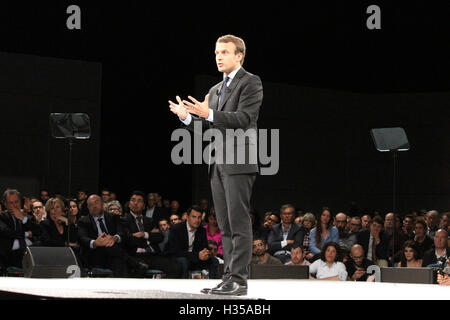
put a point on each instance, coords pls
(222, 90)
(19, 229)
(102, 225)
(140, 224)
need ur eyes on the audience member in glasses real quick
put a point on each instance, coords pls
(260, 254)
(357, 265)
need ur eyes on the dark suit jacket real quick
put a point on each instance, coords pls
(87, 231)
(382, 249)
(9, 233)
(50, 236)
(178, 243)
(429, 257)
(239, 109)
(296, 233)
(132, 243)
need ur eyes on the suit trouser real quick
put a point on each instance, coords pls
(231, 196)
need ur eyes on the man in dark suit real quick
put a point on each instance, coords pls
(285, 234)
(441, 251)
(100, 235)
(142, 240)
(233, 103)
(375, 242)
(17, 230)
(188, 245)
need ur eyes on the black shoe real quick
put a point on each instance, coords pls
(208, 290)
(231, 288)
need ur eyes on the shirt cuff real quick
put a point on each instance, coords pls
(188, 119)
(283, 243)
(211, 116)
(91, 244)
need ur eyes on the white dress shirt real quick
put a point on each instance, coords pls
(191, 236)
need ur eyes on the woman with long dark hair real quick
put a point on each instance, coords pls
(323, 233)
(410, 256)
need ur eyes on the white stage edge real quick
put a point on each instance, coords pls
(190, 289)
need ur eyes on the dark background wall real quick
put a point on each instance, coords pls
(32, 87)
(318, 62)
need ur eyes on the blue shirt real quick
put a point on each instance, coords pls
(333, 235)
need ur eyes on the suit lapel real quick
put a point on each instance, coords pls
(229, 90)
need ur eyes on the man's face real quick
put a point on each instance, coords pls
(175, 205)
(297, 255)
(12, 203)
(194, 219)
(81, 195)
(432, 220)
(174, 219)
(444, 222)
(341, 222)
(95, 205)
(137, 204)
(44, 196)
(163, 225)
(355, 225)
(375, 228)
(440, 239)
(408, 223)
(38, 208)
(389, 221)
(113, 209)
(259, 249)
(226, 58)
(419, 230)
(213, 249)
(106, 196)
(365, 221)
(287, 215)
(151, 200)
(358, 256)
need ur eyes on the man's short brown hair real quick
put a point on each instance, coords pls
(238, 42)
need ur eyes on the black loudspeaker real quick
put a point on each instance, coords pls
(49, 262)
(266, 271)
(408, 275)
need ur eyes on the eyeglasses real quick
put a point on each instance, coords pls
(356, 224)
(258, 245)
(37, 207)
(175, 219)
(357, 257)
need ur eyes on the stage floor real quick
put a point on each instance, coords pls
(107, 288)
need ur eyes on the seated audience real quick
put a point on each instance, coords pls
(328, 266)
(323, 233)
(18, 230)
(445, 221)
(164, 228)
(57, 230)
(432, 220)
(153, 211)
(357, 265)
(38, 210)
(188, 245)
(375, 242)
(365, 221)
(297, 257)
(114, 207)
(423, 241)
(408, 227)
(355, 224)
(101, 235)
(309, 222)
(74, 212)
(440, 251)
(346, 239)
(260, 254)
(174, 219)
(410, 257)
(399, 238)
(284, 235)
(141, 241)
(212, 230)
